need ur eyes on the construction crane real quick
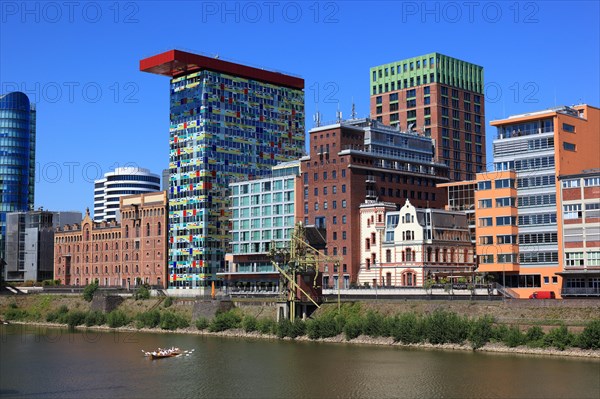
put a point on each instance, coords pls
(299, 259)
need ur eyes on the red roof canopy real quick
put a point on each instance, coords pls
(176, 63)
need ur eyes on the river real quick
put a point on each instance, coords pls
(39, 362)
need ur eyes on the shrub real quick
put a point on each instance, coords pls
(168, 302)
(148, 319)
(142, 293)
(534, 337)
(481, 332)
(117, 318)
(499, 333)
(95, 318)
(442, 327)
(225, 321)
(284, 328)
(325, 326)
(408, 329)
(58, 316)
(88, 291)
(266, 326)
(590, 336)
(249, 323)
(173, 321)
(513, 337)
(298, 328)
(76, 318)
(202, 323)
(353, 327)
(559, 338)
(373, 325)
(15, 314)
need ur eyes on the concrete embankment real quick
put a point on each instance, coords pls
(522, 314)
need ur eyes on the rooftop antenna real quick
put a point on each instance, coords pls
(338, 114)
(353, 113)
(317, 117)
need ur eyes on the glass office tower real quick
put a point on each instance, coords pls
(229, 122)
(17, 157)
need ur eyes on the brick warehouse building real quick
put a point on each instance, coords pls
(357, 160)
(125, 254)
(440, 96)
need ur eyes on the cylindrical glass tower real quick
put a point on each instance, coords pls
(17, 157)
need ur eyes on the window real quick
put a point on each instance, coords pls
(344, 219)
(592, 181)
(568, 128)
(506, 201)
(505, 221)
(593, 258)
(571, 183)
(507, 258)
(486, 258)
(485, 203)
(569, 146)
(484, 222)
(505, 183)
(484, 185)
(506, 239)
(574, 259)
(486, 240)
(572, 211)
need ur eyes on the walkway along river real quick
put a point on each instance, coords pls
(38, 362)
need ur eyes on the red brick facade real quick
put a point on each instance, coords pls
(123, 255)
(337, 181)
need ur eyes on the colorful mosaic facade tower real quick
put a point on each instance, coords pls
(229, 122)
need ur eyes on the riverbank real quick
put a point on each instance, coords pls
(340, 339)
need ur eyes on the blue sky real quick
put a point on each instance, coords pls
(80, 62)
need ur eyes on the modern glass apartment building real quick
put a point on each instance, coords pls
(119, 183)
(17, 157)
(263, 215)
(228, 122)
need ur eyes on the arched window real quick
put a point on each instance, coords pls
(106, 246)
(106, 258)
(148, 229)
(106, 269)
(126, 257)
(137, 268)
(126, 269)
(117, 246)
(96, 270)
(126, 231)
(116, 257)
(158, 229)
(137, 230)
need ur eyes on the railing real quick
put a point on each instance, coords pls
(505, 291)
(584, 291)
(521, 133)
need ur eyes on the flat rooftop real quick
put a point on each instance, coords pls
(176, 63)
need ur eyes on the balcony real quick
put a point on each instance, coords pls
(371, 194)
(509, 134)
(370, 179)
(582, 291)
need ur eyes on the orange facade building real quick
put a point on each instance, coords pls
(518, 211)
(116, 255)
